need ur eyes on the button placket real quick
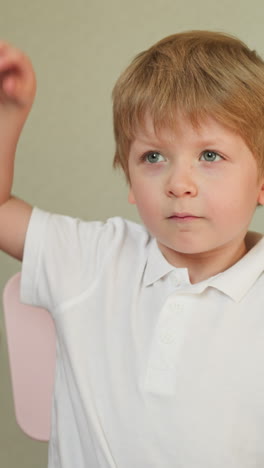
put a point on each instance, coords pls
(168, 329)
(166, 347)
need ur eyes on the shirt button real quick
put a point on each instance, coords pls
(178, 307)
(167, 336)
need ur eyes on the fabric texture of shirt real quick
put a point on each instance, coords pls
(152, 371)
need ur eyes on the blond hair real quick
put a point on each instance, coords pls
(199, 73)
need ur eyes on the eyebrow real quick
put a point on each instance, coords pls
(210, 142)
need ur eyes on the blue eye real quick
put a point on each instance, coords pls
(153, 157)
(210, 156)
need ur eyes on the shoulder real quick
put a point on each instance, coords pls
(122, 229)
(114, 228)
(64, 255)
(74, 237)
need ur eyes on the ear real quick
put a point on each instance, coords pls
(131, 198)
(261, 194)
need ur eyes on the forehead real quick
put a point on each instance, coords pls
(205, 129)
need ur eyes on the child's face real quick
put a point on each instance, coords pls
(195, 189)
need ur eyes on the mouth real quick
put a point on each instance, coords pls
(183, 217)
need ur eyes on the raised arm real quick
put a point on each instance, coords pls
(17, 91)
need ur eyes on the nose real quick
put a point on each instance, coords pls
(181, 182)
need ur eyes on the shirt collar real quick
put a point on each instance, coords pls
(235, 282)
(156, 266)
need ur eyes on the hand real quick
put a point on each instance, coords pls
(17, 80)
(17, 91)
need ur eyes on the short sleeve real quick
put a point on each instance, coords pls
(62, 257)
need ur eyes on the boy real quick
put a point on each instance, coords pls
(160, 328)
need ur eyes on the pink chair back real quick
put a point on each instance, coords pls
(32, 348)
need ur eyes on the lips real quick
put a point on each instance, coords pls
(183, 215)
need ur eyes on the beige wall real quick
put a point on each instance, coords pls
(64, 157)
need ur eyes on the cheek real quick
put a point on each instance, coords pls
(146, 201)
(139, 193)
(233, 205)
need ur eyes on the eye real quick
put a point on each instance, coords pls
(210, 156)
(153, 157)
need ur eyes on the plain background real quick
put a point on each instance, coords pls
(64, 159)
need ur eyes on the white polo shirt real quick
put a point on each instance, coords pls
(152, 371)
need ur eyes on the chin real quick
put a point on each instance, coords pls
(183, 248)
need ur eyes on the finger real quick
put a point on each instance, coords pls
(16, 90)
(9, 85)
(17, 78)
(11, 59)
